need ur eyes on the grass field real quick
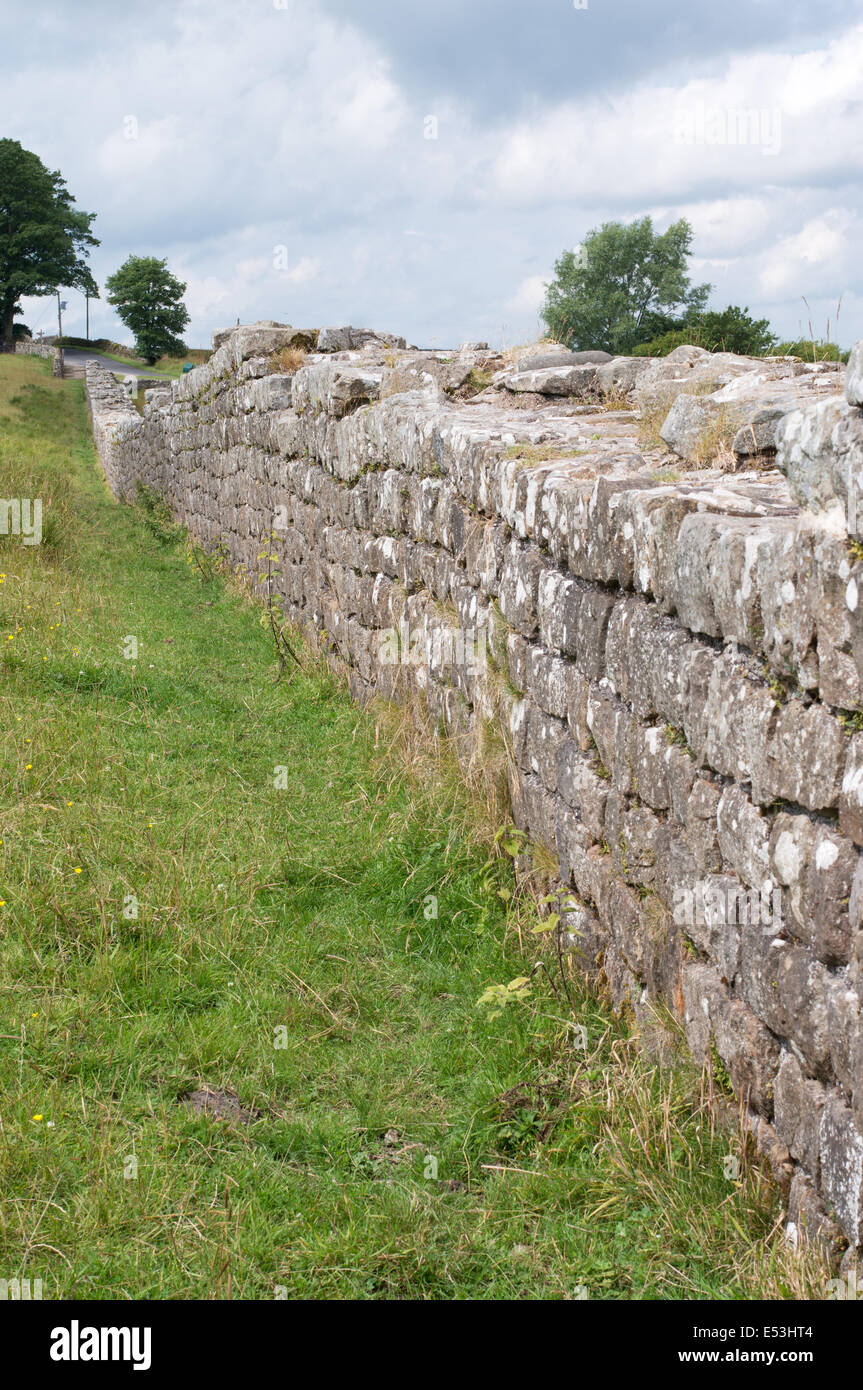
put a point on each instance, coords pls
(173, 921)
(165, 366)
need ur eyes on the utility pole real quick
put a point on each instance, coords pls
(60, 307)
(87, 302)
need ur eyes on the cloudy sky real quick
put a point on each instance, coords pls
(418, 165)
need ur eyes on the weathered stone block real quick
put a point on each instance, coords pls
(578, 381)
(798, 1105)
(519, 587)
(788, 990)
(817, 867)
(841, 1157)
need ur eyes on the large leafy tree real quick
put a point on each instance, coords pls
(612, 292)
(43, 236)
(149, 300)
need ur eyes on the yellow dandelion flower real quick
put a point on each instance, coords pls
(79, 871)
(37, 1118)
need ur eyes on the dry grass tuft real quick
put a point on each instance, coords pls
(654, 408)
(713, 449)
(470, 773)
(287, 360)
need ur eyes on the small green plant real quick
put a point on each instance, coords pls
(157, 516)
(274, 616)
(781, 686)
(209, 563)
(720, 1072)
(512, 841)
(479, 380)
(496, 998)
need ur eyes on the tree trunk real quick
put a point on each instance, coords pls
(7, 314)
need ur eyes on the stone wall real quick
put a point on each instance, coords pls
(672, 654)
(34, 348)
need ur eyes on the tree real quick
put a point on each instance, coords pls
(610, 293)
(149, 300)
(726, 330)
(43, 236)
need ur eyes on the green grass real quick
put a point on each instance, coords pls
(295, 917)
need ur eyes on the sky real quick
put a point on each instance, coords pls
(418, 167)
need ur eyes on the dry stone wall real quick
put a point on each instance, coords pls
(34, 348)
(673, 655)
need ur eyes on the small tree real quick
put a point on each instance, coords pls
(149, 300)
(623, 278)
(43, 236)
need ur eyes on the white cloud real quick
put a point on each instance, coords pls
(814, 258)
(530, 295)
(769, 117)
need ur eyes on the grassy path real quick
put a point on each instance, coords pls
(172, 921)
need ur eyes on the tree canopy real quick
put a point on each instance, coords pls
(149, 300)
(609, 293)
(43, 236)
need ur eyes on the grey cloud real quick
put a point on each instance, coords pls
(501, 56)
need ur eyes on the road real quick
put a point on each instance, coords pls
(74, 360)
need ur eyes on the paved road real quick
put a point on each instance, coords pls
(75, 359)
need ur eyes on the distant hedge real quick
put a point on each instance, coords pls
(97, 344)
(808, 350)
